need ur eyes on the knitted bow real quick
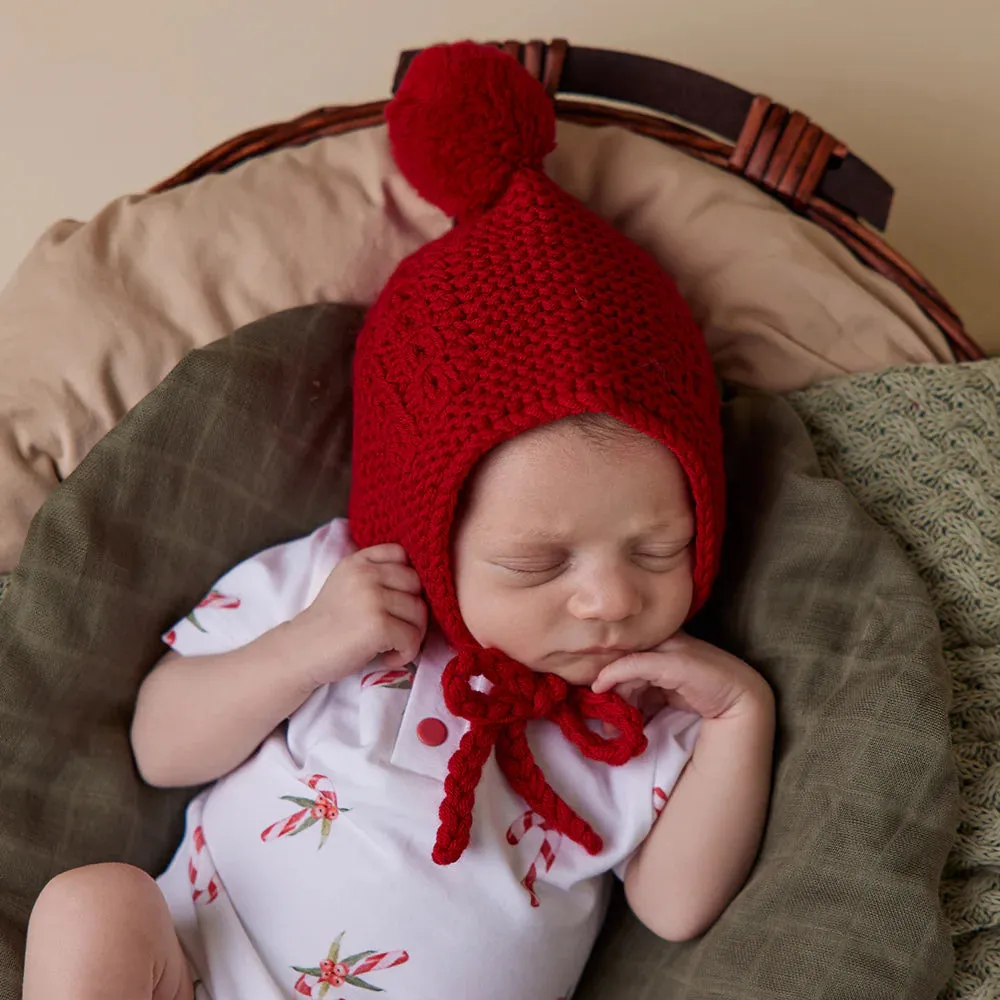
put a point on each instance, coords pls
(499, 719)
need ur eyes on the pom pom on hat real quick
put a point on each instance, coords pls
(465, 119)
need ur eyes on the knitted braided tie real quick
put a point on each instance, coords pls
(499, 720)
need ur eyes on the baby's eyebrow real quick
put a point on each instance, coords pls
(538, 542)
(676, 529)
(668, 522)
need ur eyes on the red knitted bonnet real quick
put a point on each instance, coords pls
(532, 308)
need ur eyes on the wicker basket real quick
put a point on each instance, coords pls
(780, 151)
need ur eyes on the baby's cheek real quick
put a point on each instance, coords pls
(472, 612)
(493, 619)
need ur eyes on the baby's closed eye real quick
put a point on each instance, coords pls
(660, 559)
(531, 560)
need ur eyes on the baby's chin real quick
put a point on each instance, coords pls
(576, 668)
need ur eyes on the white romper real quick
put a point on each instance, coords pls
(307, 871)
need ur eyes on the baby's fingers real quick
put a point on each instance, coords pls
(394, 659)
(403, 643)
(395, 576)
(651, 668)
(406, 607)
(389, 552)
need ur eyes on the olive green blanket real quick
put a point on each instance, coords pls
(246, 444)
(920, 449)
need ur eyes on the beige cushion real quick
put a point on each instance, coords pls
(99, 313)
(783, 303)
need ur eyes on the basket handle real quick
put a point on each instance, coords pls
(779, 150)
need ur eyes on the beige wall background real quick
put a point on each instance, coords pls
(106, 97)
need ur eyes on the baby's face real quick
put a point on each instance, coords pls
(574, 550)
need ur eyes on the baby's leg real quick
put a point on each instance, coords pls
(104, 933)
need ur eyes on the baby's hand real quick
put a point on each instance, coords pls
(687, 674)
(370, 604)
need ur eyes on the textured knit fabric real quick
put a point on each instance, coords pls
(920, 448)
(325, 832)
(245, 445)
(533, 308)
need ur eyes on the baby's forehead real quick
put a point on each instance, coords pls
(590, 446)
(558, 509)
(584, 439)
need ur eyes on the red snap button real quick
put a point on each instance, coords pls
(432, 732)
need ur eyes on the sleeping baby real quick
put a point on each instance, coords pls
(431, 732)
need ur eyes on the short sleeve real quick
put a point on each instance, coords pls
(261, 593)
(672, 735)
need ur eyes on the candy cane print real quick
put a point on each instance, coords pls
(393, 677)
(284, 826)
(338, 970)
(383, 960)
(522, 825)
(322, 809)
(546, 855)
(213, 599)
(319, 783)
(201, 873)
(659, 800)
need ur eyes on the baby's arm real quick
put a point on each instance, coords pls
(198, 717)
(702, 847)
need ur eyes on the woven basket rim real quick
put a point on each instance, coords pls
(863, 241)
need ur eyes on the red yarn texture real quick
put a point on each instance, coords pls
(465, 118)
(499, 717)
(531, 309)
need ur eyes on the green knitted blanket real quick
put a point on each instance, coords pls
(920, 449)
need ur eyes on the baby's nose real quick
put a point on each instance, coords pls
(608, 597)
